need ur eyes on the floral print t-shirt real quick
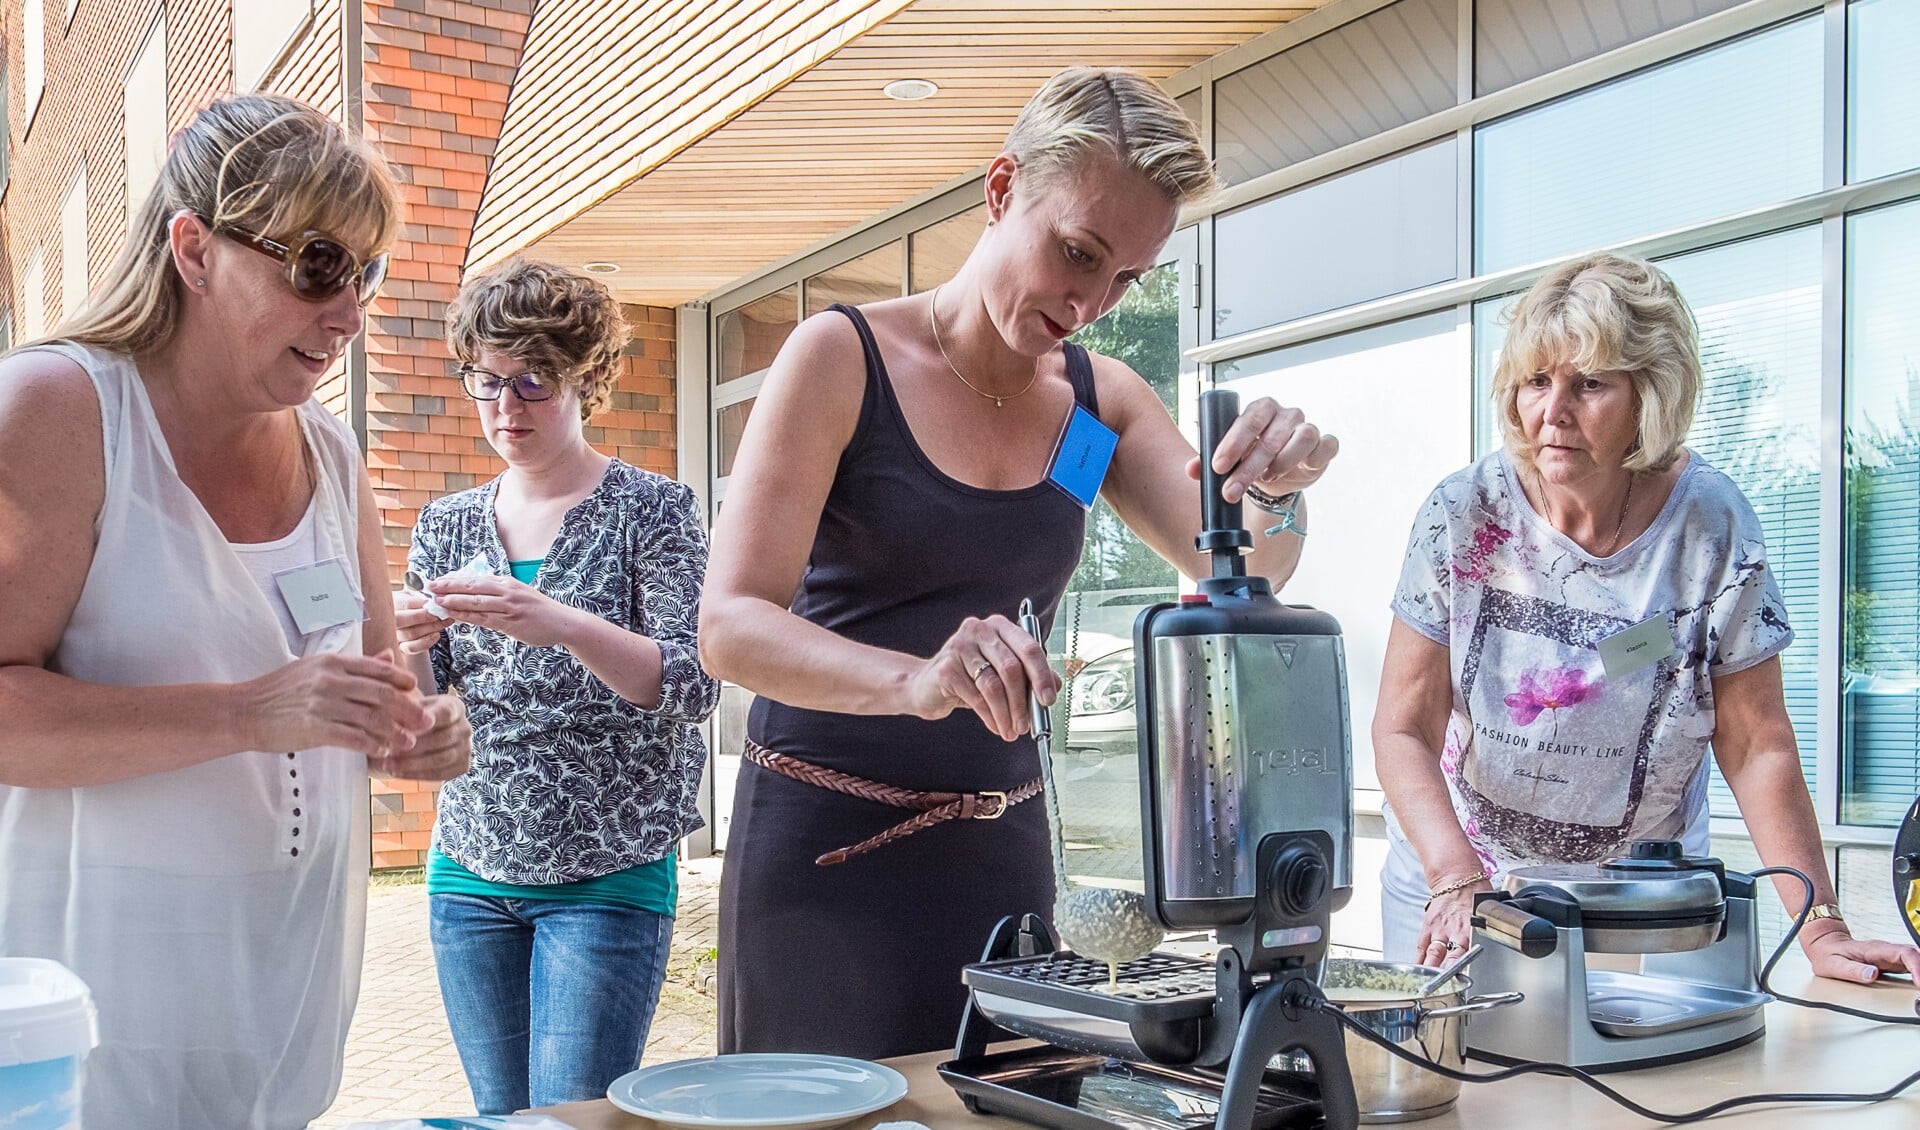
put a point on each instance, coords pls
(1549, 759)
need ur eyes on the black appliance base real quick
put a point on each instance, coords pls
(1065, 1090)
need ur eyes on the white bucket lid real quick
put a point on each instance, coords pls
(45, 1012)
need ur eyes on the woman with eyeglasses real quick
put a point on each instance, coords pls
(192, 683)
(560, 600)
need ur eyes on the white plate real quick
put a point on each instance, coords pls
(792, 1092)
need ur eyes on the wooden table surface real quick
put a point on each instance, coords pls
(1803, 1050)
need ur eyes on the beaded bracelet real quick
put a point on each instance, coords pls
(1456, 885)
(1283, 506)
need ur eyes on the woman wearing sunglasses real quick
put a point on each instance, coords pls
(568, 627)
(192, 685)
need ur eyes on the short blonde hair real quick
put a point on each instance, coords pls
(262, 162)
(550, 318)
(1607, 313)
(1118, 112)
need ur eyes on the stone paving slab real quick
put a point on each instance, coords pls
(400, 1060)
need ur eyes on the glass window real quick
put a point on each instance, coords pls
(1091, 637)
(262, 29)
(73, 247)
(730, 726)
(146, 117)
(1730, 128)
(1400, 393)
(1758, 306)
(1381, 229)
(33, 52)
(749, 336)
(1883, 87)
(1382, 70)
(939, 249)
(730, 423)
(1515, 40)
(1189, 104)
(871, 277)
(6, 127)
(1880, 673)
(6, 330)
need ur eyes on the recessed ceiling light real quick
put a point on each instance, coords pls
(600, 268)
(910, 89)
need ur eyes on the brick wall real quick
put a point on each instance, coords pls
(438, 73)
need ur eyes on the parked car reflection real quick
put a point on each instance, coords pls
(1091, 645)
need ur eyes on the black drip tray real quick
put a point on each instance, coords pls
(1068, 1091)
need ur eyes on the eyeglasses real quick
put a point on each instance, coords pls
(318, 266)
(483, 384)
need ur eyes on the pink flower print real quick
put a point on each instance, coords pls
(1470, 564)
(1550, 690)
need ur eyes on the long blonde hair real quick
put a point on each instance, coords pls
(270, 164)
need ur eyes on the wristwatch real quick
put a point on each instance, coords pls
(1826, 910)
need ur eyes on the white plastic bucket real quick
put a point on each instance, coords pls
(47, 1027)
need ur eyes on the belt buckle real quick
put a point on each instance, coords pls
(999, 810)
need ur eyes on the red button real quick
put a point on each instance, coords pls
(1193, 598)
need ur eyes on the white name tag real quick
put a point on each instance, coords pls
(1642, 645)
(319, 596)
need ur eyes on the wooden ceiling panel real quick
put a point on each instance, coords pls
(825, 150)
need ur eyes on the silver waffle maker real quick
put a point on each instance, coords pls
(1695, 992)
(1246, 790)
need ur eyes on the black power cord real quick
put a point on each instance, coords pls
(1571, 1072)
(1794, 932)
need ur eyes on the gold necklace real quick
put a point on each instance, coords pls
(933, 320)
(1625, 505)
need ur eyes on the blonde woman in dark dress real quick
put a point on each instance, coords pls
(889, 509)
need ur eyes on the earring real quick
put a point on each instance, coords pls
(199, 282)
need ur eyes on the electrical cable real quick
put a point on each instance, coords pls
(1794, 932)
(1571, 1072)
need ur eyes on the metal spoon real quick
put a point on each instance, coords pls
(1449, 969)
(413, 581)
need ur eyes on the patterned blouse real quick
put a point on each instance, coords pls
(570, 781)
(1549, 757)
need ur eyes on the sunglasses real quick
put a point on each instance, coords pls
(318, 266)
(484, 384)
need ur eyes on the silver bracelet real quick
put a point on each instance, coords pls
(1285, 507)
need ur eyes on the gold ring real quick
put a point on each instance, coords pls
(984, 668)
(1451, 946)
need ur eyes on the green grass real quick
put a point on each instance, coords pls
(397, 877)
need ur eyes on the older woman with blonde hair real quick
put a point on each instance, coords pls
(1581, 616)
(891, 506)
(193, 684)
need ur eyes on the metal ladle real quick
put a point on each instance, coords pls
(1103, 923)
(1449, 969)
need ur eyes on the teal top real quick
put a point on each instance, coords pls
(650, 886)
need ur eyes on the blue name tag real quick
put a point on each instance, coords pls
(1081, 457)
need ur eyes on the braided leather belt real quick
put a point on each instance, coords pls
(934, 807)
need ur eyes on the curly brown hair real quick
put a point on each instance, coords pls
(547, 317)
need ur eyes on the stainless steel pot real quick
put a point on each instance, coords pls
(1433, 1027)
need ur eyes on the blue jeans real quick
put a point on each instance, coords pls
(549, 1001)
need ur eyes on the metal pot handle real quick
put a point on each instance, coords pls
(1477, 1004)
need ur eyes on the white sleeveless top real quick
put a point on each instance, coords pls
(217, 912)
